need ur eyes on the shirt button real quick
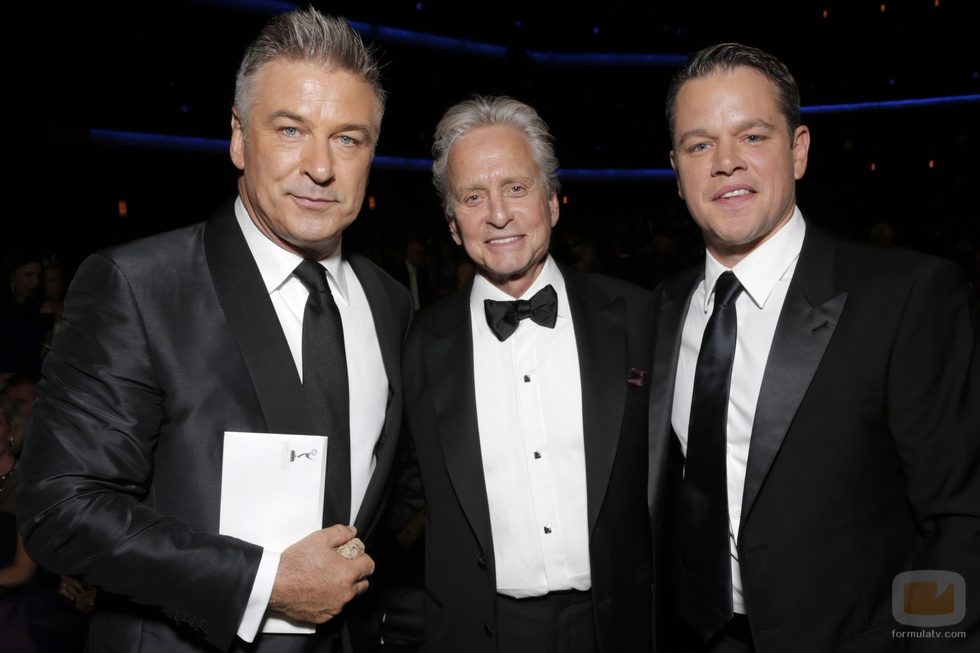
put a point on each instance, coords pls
(527, 379)
(537, 455)
(547, 529)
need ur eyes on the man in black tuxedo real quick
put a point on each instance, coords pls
(824, 395)
(530, 434)
(171, 341)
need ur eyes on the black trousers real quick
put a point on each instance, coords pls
(559, 622)
(733, 638)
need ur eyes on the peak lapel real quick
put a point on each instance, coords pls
(802, 334)
(252, 319)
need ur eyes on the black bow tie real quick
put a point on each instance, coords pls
(503, 317)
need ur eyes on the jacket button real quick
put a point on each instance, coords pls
(488, 629)
(481, 560)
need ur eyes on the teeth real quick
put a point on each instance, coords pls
(735, 193)
(501, 241)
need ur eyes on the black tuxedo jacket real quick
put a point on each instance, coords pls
(865, 449)
(167, 343)
(613, 334)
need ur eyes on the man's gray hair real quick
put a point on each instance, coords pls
(481, 111)
(307, 35)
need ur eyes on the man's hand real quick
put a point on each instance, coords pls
(81, 595)
(314, 582)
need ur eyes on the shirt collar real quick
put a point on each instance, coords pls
(276, 264)
(763, 267)
(483, 289)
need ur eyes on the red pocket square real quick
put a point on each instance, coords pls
(636, 377)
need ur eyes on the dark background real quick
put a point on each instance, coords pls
(168, 68)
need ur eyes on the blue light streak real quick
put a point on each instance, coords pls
(891, 104)
(623, 60)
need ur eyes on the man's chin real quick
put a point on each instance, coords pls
(510, 278)
(314, 248)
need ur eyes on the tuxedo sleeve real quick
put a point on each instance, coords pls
(934, 398)
(85, 503)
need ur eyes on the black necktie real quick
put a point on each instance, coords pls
(705, 587)
(325, 386)
(503, 317)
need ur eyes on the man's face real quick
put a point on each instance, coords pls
(54, 283)
(24, 396)
(305, 153)
(735, 159)
(503, 214)
(25, 279)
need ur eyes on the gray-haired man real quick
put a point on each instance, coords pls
(172, 341)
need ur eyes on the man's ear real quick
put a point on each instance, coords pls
(237, 146)
(454, 229)
(801, 149)
(673, 166)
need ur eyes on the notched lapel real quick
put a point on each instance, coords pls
(252, 319)
(448, 354)
(801, 338)
(600, 337)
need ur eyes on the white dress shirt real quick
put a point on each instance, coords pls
(529, 412)
(367, 380)
(765, 275)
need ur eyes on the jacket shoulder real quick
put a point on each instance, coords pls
(856, 263)
(159, 253)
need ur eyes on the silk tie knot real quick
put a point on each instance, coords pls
(503, 318)
(314, 277)
(727, 288)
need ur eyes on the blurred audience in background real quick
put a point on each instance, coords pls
(39, 612)
(23, 328)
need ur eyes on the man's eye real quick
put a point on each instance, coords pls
(698, 147)
(755, 138)
(346, 140)
(289, 131)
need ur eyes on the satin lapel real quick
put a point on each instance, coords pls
(806, 324)
(672, 309)
(600, 337)
(385, 323)
(253, 321)
(389, 340)
(448, 352)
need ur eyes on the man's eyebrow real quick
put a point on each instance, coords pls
(302, 120)
(356, 127)
(283, 113)
(739, 127)
(692, 132)
(752, 124)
